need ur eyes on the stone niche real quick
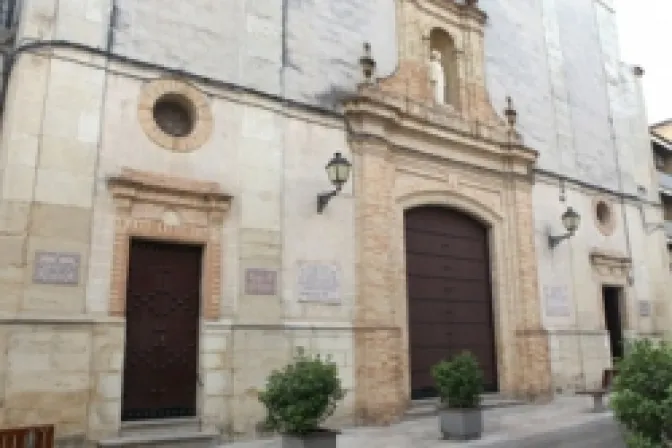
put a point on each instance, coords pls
(456, 31)
(410, 151)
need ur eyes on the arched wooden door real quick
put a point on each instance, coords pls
(449, 293)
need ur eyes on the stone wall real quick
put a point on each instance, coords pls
(72, 120)
(570, 284)
(47, 375)
(57, 197)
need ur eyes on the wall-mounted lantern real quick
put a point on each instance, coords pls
(338, 172)
(571, 221)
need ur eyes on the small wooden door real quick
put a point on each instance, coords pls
(162, 327)
(449, 294)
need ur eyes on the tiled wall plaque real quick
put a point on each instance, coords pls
(319, 282)
(261, 282)
(56, 268)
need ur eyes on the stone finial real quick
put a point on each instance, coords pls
(367, 63)
(638, 71)
(510, 112)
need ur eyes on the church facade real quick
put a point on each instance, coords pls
(163, 247)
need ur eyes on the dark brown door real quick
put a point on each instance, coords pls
(449, 293)
(611, 297)
(162, 326)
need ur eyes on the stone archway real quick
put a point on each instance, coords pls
(448, 277)
(396, 167)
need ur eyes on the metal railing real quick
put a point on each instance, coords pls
(28, 437)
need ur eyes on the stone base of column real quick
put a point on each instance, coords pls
(380, 398)
(533, 380)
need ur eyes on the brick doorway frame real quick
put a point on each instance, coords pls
(171, 209)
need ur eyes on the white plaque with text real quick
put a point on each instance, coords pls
(556, 301)
(319, 281)
(644, 308)
(56, 268)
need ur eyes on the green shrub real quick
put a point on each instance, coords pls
(459, 381)
(301, 396)
(642, 393)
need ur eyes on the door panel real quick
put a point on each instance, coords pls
(449, 293)
(162, 327)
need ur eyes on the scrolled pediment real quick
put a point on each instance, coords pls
(416, 128)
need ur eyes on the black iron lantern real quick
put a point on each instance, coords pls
(570, 220)
(338, 172)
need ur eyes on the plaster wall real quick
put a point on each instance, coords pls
(563, 71)
(306, 50)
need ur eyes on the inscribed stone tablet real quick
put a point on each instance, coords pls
(644, 308)
(56, 268)
(556, 301)
(319, 282)
(261, 282)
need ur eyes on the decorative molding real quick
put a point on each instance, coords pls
(612, 266)
(161, 207)
(412, 127)
(454, 11)
(202, 119)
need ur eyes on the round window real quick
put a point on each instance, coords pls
(174, 114)
(603, 213)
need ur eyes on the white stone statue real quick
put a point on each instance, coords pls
(437, 77)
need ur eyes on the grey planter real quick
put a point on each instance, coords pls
(321, 439)
(461, 424)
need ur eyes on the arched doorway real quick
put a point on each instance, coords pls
(449, 293)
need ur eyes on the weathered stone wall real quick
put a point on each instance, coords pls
(303, 50)
(68, 127)
(71, 120)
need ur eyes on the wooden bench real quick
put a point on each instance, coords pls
(28, 437)
(599, 393)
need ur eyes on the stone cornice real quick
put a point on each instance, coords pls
(403, 124)
(141, 186)
(449, 9)
(608, 265)
(609, 259)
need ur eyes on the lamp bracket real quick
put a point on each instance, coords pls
(324, 198)
(554, 240)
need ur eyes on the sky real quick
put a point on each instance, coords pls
(645, 28)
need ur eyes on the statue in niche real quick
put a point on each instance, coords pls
(437, 77)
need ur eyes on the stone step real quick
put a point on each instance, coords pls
(428, 406)
(176, 440)
(165, 426)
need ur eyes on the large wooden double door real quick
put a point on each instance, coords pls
(162, 328)
(449, 293)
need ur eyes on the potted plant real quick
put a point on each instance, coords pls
(299, 398)
(642, 394)
(459, 382)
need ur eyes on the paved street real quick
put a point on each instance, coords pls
(565, 423)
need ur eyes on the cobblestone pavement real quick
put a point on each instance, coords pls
(566, 422)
